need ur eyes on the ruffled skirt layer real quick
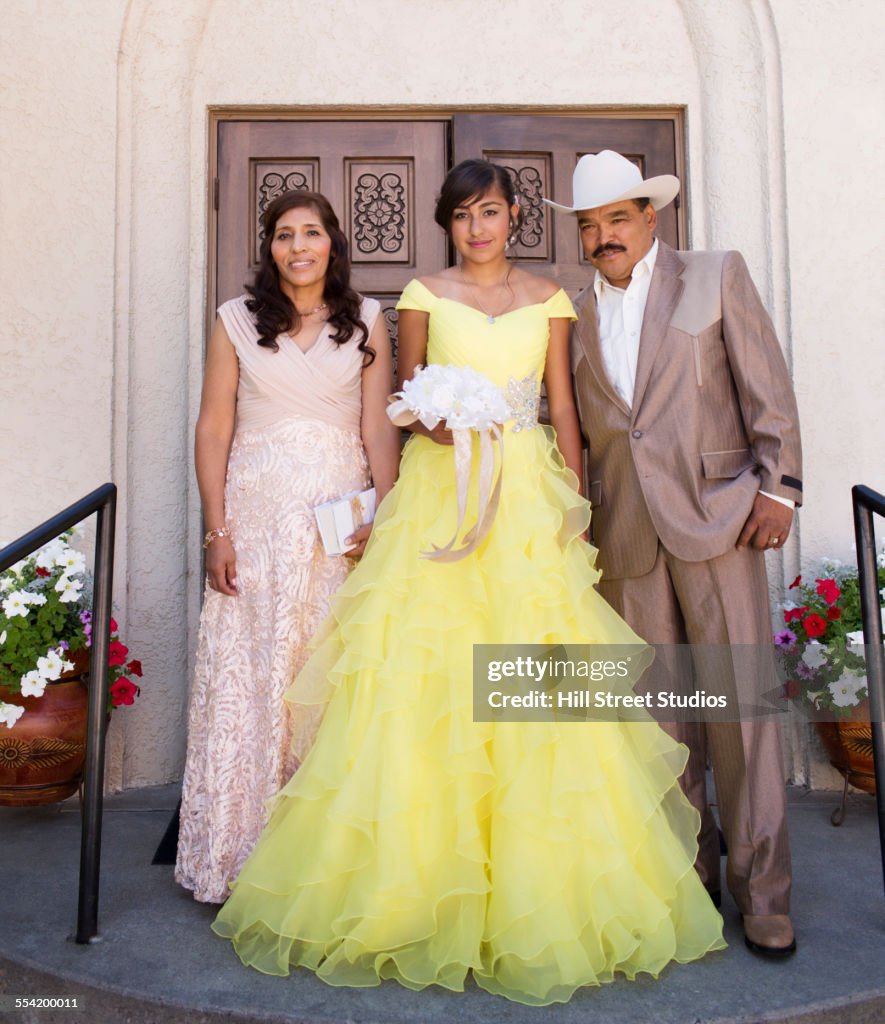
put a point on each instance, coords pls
(418, 844)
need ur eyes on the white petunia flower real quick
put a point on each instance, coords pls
(10, 713)
(47, 555)
(6, 584)
(845, 689)
(69, 589)
(35, 599)
(16, 604)
(71, 561)
(51, 666)
(33, 684)
(814, 655)
(3, 637)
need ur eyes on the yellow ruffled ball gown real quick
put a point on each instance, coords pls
(417, 844)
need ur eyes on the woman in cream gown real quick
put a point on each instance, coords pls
(292, 416)
(538, 856)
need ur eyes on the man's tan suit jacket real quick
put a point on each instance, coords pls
(713, 421)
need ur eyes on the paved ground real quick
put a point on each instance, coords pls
(158, 963)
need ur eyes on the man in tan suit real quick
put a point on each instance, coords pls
(694, 470)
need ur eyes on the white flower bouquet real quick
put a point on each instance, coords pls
(468, 402)
(461, 396)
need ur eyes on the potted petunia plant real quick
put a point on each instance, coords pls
(821, 654)
(45, 639)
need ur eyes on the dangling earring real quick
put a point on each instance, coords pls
(513, 237)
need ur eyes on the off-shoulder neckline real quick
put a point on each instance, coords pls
(465, 305)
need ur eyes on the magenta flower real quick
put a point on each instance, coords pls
(786, 638)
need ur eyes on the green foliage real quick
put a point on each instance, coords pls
(850, 584)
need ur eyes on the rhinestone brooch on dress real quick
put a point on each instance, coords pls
(524, 399)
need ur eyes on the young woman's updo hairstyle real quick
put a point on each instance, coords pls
(469, 181)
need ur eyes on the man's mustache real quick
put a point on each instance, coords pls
(608, 247)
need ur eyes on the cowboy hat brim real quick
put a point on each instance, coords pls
(660, 191)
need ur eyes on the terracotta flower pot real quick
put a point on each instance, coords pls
(849, 746)
(42, 756)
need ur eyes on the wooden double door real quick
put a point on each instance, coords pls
(382, 177)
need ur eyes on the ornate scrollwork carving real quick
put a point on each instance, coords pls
(379, 212)
(391, 318)
(530, 187)
(274, 184)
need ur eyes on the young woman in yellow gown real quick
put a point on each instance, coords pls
(416, 843)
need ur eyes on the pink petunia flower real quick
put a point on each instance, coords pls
(786, 638)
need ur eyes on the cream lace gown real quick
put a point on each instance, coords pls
(297, 444)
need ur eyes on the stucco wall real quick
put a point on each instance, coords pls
(834, 149)
(834, 117)
(103, 199)
(57, 213)
(58, 208)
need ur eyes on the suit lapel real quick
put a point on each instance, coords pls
(587, 331)
(663, 295)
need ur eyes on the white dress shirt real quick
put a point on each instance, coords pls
(621, 311)
(620, 322)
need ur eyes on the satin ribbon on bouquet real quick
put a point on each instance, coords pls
(469, 402)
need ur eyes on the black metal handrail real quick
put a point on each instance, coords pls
(865, 502)
(102, 500)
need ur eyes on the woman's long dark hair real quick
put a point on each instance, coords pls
(274, 311)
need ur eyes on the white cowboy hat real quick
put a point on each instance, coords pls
(609, 177)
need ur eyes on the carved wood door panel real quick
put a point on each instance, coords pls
(381, 178)
(541, 153)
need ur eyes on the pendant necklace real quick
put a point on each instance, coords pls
(490, 317)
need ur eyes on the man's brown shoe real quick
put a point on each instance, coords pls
(769, 935)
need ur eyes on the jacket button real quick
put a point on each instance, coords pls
(637, 433)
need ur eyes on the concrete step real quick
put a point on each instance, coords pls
(157, 962)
